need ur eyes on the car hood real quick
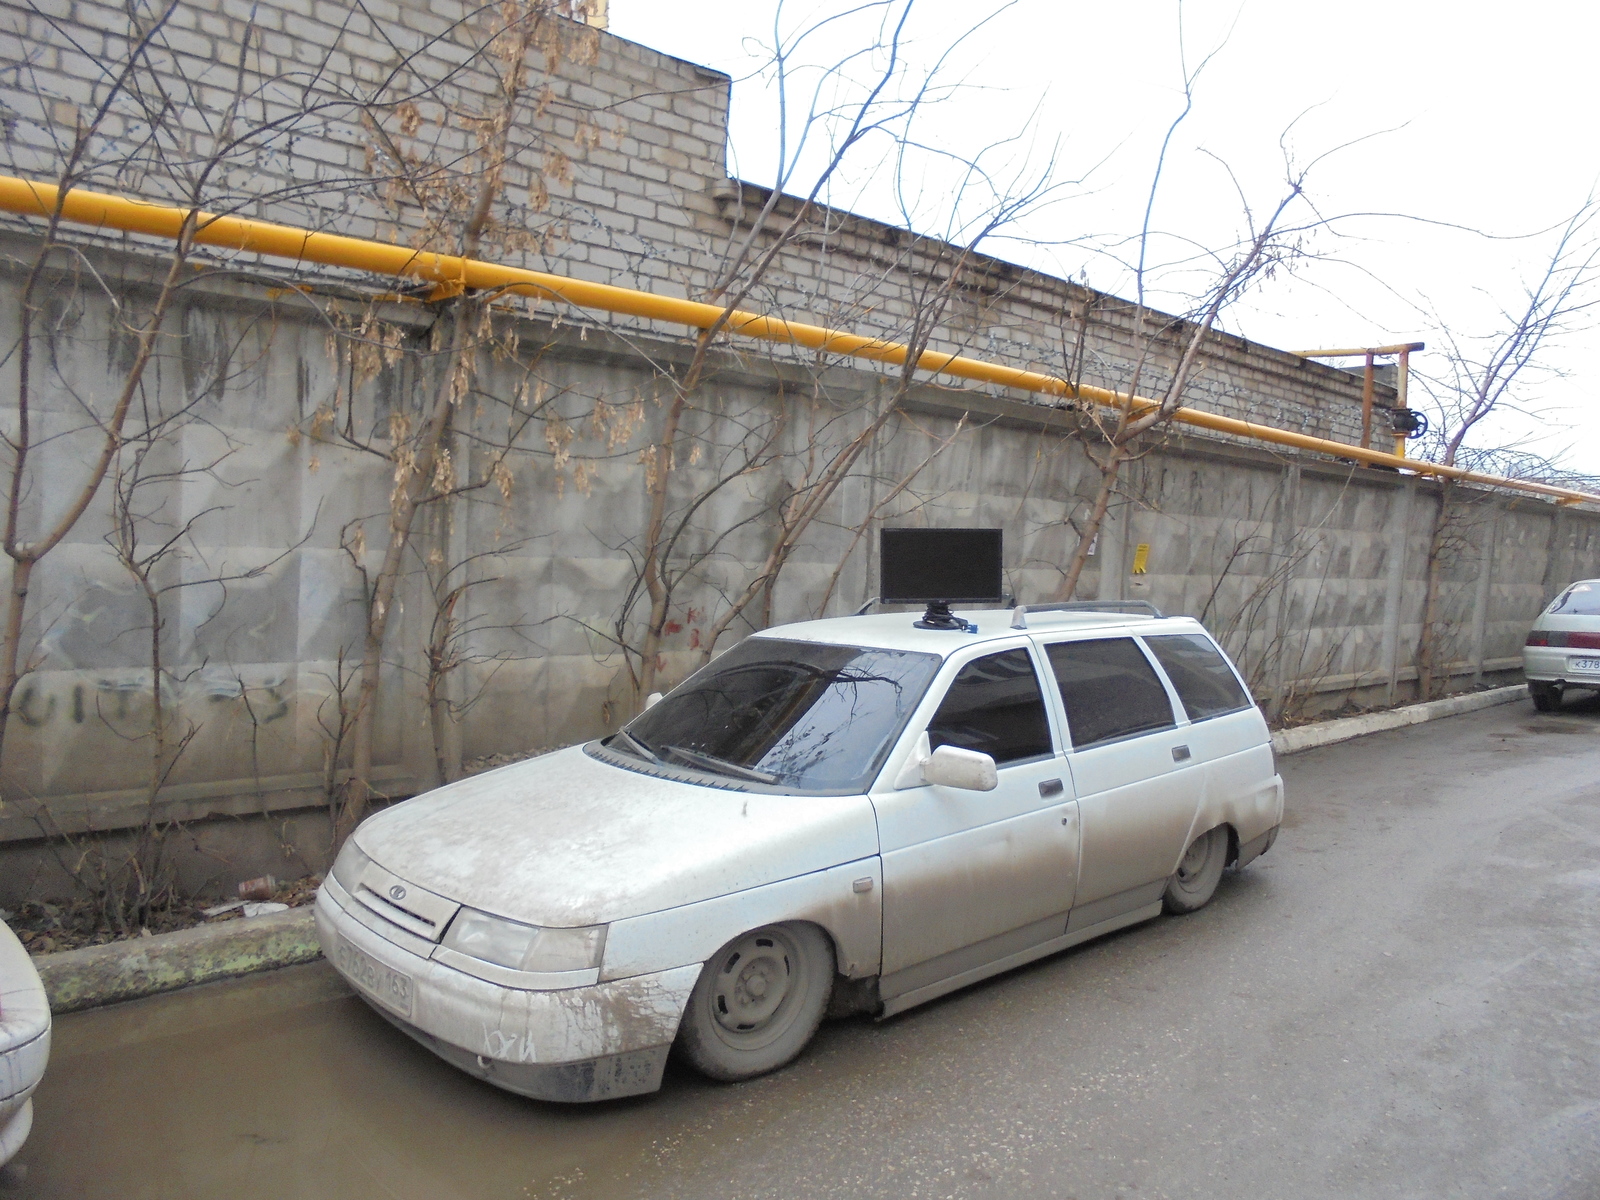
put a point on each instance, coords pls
(568, 840)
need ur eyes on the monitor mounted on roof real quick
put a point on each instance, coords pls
(940, 567)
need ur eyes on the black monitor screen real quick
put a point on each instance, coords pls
(955, 565)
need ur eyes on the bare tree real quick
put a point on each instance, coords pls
(455, 641)
(200, 136)
(1113, 439)
(825, 125)
(805, 482)
(103, 423)
(1486, 375)
(458, 202)
(161, 553)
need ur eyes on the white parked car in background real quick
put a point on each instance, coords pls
(1563, 648)
(855, 811)
(24, 1041)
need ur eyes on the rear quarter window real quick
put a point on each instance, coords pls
(1204, 681)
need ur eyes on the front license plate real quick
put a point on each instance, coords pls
(388, 987)
(1585, 664)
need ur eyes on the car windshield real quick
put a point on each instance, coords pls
(804, 715)
(1579, 600)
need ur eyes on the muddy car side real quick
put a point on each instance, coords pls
(725, 910)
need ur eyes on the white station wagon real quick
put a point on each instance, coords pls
(836, 816)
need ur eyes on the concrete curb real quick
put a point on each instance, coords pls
(96, 975)
(1326, 733)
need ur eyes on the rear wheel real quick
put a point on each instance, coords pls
(1546, 696)
(758, 1001)
(1198, 873)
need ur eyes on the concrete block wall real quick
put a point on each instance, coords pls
(1310, 571)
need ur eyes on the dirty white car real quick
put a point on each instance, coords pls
(1563, 647)
(854, 811)
(24, 1042)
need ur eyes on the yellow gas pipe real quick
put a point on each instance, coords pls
(453, 273)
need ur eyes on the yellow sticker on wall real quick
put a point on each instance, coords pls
(1141, 557)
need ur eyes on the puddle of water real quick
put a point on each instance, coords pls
(286, 1085)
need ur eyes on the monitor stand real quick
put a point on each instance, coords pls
(939, 616)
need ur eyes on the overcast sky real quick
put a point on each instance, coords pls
(1473, 115)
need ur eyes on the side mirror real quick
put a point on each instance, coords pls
(951, 766)
(651, 701)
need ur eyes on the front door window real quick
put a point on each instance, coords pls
(994, 706)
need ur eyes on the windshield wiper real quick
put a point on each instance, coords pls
(720, 766)
(638, 745)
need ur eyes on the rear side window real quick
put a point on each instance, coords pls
(994, 706)
(1206, 684)
(1110, 690)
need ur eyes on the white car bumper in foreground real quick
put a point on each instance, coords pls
(24, 1041)
(575, 1044)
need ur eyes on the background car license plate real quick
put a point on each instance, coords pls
(384, 984)
(1585, 664)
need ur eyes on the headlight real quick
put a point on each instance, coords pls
(350, 865)
(525, 947)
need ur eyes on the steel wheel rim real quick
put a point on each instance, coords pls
(756, 988)
(1194, 860)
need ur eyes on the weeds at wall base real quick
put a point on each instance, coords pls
(46, 928)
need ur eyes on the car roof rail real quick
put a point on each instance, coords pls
(1019, 615)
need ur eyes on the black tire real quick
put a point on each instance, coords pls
(1192, 885)
(757, 1002)
(1546, 696)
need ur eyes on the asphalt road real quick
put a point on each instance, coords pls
(1399, 1000)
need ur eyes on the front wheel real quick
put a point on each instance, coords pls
(758, 1001)
(1198, 873)
(1546, 696)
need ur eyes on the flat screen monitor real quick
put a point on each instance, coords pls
(925, 566)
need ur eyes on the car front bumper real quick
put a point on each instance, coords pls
(572, 1044)
(1560, 664)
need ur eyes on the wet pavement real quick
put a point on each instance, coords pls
(1399, 1000)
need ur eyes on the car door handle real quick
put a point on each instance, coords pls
(1180, 753)
(1051, 787)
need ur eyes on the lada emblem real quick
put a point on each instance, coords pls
(397, 892)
